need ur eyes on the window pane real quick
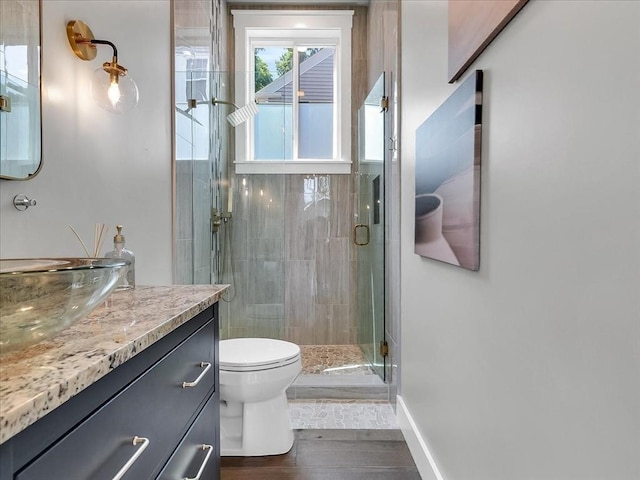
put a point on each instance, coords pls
(316, 102)
(273, 91)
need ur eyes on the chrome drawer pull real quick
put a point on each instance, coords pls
(204, 463)
(134, 457)
(206, 366)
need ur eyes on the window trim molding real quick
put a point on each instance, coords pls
(252, 26)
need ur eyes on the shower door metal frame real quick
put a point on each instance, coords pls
(371, 209)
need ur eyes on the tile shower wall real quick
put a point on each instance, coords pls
(291, 261)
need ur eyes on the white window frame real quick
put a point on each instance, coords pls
(263, 27)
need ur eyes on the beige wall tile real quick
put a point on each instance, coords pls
(333, 271)
(300, 293)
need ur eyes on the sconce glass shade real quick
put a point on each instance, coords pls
(114, 90)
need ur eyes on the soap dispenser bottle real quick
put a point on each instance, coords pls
(127, 281)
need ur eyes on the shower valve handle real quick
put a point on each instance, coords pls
(216, 220)
(217, 217)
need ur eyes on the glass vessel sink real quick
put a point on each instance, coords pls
(40, 297)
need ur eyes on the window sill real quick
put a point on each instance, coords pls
(275, 167)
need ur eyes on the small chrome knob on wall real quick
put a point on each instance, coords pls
(22, 202)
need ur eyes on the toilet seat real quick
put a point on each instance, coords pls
(255, 354)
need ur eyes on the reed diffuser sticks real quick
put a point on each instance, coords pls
(98, 238)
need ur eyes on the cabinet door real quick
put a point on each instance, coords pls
(154, 407)
(199, 451)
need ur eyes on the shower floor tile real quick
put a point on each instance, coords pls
(334, 360)
(349, 414)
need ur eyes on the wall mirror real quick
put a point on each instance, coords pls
(20, 105)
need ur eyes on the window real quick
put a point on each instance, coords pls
(296, 66)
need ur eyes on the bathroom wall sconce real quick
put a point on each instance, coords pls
(111, 87)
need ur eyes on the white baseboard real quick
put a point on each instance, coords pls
(417, 446)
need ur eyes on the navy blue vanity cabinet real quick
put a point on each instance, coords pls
(154, 417)
(197, 455)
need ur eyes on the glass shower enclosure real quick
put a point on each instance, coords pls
(304, 253)
(201, 140)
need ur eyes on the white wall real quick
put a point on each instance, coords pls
(528, 369)
(100, 167)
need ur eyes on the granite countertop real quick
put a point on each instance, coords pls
(37, 379)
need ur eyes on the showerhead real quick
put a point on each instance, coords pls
(235, 118)
(241, 114)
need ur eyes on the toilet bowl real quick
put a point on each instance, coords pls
(254, 415)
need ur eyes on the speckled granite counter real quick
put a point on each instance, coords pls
(37, 379)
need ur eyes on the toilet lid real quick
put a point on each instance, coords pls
(256, 352)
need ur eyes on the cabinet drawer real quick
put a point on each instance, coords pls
(155, 407)
(199, 451)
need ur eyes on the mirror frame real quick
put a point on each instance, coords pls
(41, 162)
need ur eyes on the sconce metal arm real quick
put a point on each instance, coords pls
(80, 36)
(112, 68)
(103, 42)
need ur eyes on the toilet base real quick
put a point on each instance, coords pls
(255, 429)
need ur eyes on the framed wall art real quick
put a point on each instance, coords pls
(447, 200)
(473, 24)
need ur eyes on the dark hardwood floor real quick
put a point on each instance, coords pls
(331, 455)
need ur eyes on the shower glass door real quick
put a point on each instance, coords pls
(369, 230)
(194, 178)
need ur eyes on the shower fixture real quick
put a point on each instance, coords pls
(235, 118)
(217, 217)
(217, 101)
(242, 114)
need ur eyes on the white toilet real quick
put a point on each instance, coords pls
(254, 415)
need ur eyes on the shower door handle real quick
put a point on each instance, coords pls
(355, 234)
